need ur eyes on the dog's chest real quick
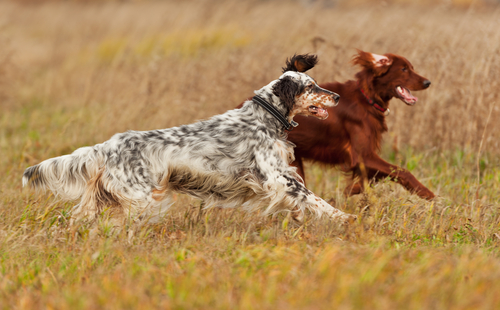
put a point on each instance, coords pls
(284, 149)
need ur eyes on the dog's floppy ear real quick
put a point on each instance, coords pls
(300, 63)
(379, 64)
(286, 89)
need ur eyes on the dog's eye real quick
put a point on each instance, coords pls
(310, 85)
(404, 69)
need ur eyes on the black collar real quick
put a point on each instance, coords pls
(274, 112)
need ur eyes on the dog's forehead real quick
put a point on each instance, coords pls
(298, 76)
(400, 60)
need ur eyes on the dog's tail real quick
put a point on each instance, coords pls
(66, 176)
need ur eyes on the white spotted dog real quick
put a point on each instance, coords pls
(236, 159)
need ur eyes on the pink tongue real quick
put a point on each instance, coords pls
(322, 113)
(318, 112)
(407, 95)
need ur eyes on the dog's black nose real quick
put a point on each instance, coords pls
(427, 83)
(336, 98)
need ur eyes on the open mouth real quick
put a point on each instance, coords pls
(405, 95)
(318, 112)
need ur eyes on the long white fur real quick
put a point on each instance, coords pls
(236, 159)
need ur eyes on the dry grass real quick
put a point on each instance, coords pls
(73, 74)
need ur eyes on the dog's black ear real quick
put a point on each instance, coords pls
(300, 63)
(286, 89)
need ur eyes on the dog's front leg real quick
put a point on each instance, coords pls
(289, 194)
(323, 207)
(398, 174)
(286, 192)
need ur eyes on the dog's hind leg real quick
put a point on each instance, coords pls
(96, 199)
(353, 189)
(76, 214)
(155, 210)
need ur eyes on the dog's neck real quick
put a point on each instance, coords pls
(372, 97)
(279, 108)
(378, 115)
(288, 125)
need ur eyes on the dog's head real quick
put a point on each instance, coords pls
(299, 93)
(388, 76)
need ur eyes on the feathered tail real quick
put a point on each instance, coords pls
(66, 176)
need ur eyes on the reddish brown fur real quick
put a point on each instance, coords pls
(351, 136)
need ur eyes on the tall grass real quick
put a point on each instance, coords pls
(73, 74)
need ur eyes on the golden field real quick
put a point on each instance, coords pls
(74, 73)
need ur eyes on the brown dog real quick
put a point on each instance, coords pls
(351, 136)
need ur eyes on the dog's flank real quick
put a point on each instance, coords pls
(236, 159)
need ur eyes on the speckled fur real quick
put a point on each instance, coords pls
(236, 159)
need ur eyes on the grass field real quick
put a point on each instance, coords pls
(74, 73)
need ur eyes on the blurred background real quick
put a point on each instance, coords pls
(73, 73)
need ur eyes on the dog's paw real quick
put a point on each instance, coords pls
(344, 218)
(348, 219)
